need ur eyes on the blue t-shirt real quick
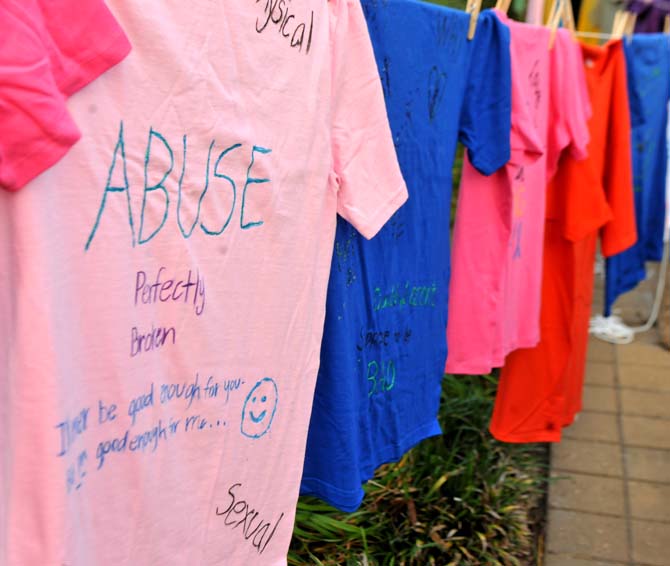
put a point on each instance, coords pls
(648, 74)
(384, 346)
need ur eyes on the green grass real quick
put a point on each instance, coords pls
(459, 499)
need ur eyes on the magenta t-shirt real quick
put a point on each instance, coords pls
(50, 50)
(495, 287)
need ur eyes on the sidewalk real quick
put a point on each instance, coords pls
(609, 501)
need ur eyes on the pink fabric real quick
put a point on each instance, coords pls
(162, 287)
(49, 51)
(83, 38)
(535, 12)
(495, 288)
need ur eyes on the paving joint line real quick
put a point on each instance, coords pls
(591, 558)
(598, 385)
(647, 447)
(610, 515)
(592, 474)
(565, 471)
(636, 415)
(643, 364)
(652, 521)
(651, 482)
(639, 415)
(567, 436)
(646, 389)
(582, 511)
(598, 440)
(628, 388)
(624, 465)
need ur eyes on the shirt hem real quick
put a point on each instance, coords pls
(116, 50)
(46, 154)
(349, 501)
(382, 216)
(466, 369)
(526, 437)
(486, 368)
(488, 166)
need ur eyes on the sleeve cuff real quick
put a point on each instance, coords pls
(41, 155)
(116, 50)
(373, 225)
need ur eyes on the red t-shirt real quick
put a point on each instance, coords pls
(540, 388)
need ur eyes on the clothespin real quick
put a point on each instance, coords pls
(503, 5)
(630, 24)
(616, 23)
(473, 8)
(555, 13)
(623, 21)
(666, 24)
(629, 27)
(551, 12)
(568, 17)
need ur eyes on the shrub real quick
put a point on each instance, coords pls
(461, 498)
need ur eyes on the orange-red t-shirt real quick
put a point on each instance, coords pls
(540, 388)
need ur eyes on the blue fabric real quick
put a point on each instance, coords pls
(648, 74)
(384, 345)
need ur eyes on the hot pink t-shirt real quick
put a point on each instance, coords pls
(495, 288)
(162, 287)
(50, 50)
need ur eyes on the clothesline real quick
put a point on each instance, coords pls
(595, 35)
(187, 221)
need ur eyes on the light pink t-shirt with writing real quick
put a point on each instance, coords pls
(495, 287)
(162, 287)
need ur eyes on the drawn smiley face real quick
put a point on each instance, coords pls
(259, 408)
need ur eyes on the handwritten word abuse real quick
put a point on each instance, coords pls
(158, 175)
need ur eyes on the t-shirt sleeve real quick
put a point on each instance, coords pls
(37, 129)
(580, 112)
(621, 232)
(570, 106)
(85, 41)
(366, 174)
(485, 120)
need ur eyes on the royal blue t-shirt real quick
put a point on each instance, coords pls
(384, 346)
(648, 74)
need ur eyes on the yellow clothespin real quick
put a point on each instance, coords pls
(622, 23)
(555, 14)
(630, 24)
(473, 8)
(666, 24)
(616, 23)
(550, 13)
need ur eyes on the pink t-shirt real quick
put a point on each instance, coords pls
(162, 287)
(495, 288)
(50, 50)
